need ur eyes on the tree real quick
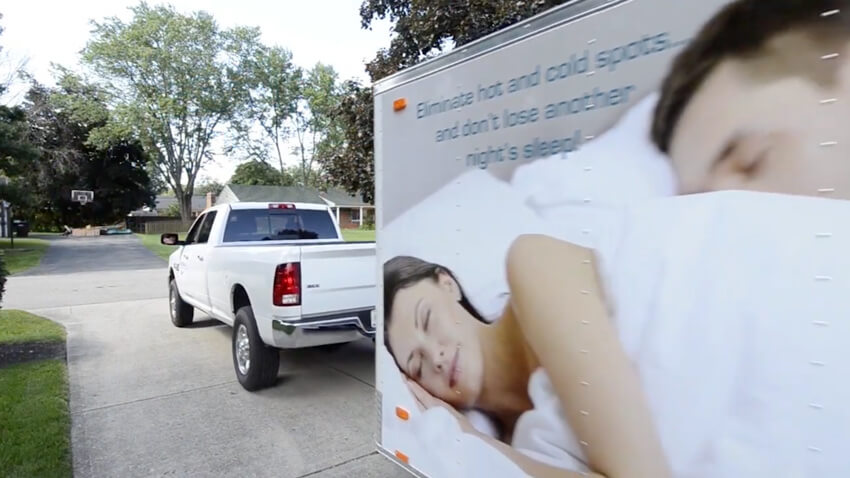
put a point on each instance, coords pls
(421, 30)
(260, 173)
(178, 80)
(16, 152)
(9, 69)
(61, 121)
(214, 187)
(352, 165)
(316, 133)
(273, 101)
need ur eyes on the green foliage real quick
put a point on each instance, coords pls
(214, 187)
(260, 173)
(62, 121)
(322, 95)
(421, 29)
(352, 165)
(275, 88)
(4, 273)
(16, 153)
(177, 80)
(173, 210)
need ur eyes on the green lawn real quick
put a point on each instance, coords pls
(151, 241)
(35, 436)
(18, 327)
(26, 254)
(358, 234)
(35, 432)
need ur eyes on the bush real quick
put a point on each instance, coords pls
(3, 274)
(368, 220)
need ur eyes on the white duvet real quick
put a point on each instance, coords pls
(734, 308)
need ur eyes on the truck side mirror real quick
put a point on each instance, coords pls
(170, 239)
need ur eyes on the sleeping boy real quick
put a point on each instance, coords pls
(760, 101)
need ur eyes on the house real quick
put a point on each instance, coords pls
(163, 203)
(350, 212)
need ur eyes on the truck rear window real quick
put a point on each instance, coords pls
(278, 225)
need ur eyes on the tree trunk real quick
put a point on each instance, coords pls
(185, 200)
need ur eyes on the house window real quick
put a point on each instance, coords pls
(355, 215)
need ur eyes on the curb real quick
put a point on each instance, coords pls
(12, 354)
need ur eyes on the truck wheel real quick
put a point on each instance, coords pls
(255, 363)
(181, 312)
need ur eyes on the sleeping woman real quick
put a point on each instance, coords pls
(711, 363)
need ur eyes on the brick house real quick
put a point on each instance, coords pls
(350, 212)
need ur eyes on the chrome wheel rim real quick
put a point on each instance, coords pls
(242, 349)
(173, 300)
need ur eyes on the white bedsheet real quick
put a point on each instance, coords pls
(734, 308)
(621, 167)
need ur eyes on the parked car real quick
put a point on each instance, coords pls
(280, 274)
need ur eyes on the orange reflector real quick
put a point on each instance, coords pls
(401, 456)
(399, 104)
(402, 413)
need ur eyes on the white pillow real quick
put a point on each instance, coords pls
(617, 168)
(468, 227)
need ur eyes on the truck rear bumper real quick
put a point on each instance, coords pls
(324, 330)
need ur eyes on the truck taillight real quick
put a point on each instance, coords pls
(287, 285)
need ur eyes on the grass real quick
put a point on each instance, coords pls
(35, 436)
(151, 241)
(358, 234)
(35, 432)
(19, 327)
(26, 254)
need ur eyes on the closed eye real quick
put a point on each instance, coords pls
(745, 153)
(427, 321)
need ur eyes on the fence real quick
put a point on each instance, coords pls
(160, 227)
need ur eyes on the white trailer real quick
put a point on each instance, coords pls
(553, 112)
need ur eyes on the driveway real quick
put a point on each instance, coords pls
(148, 399)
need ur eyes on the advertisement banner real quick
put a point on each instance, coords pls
(611, 241)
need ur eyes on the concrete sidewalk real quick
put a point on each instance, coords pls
(148, 399)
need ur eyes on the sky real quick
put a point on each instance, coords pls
(44, 32)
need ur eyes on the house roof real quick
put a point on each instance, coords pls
(275, 194)
(199, 203)
(342, 199)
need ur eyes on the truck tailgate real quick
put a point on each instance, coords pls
(337, 278)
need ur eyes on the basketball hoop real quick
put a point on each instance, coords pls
(82, 197)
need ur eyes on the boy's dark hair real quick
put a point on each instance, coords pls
(738, 30)
(401, 272)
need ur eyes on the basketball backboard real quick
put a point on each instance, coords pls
(82, 197)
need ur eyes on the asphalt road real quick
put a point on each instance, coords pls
(148, 399)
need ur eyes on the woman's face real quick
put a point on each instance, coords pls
(435, 340)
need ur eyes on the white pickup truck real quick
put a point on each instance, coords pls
(280, 274)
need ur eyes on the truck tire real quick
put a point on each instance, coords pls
(255, 363)
(182, 313)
